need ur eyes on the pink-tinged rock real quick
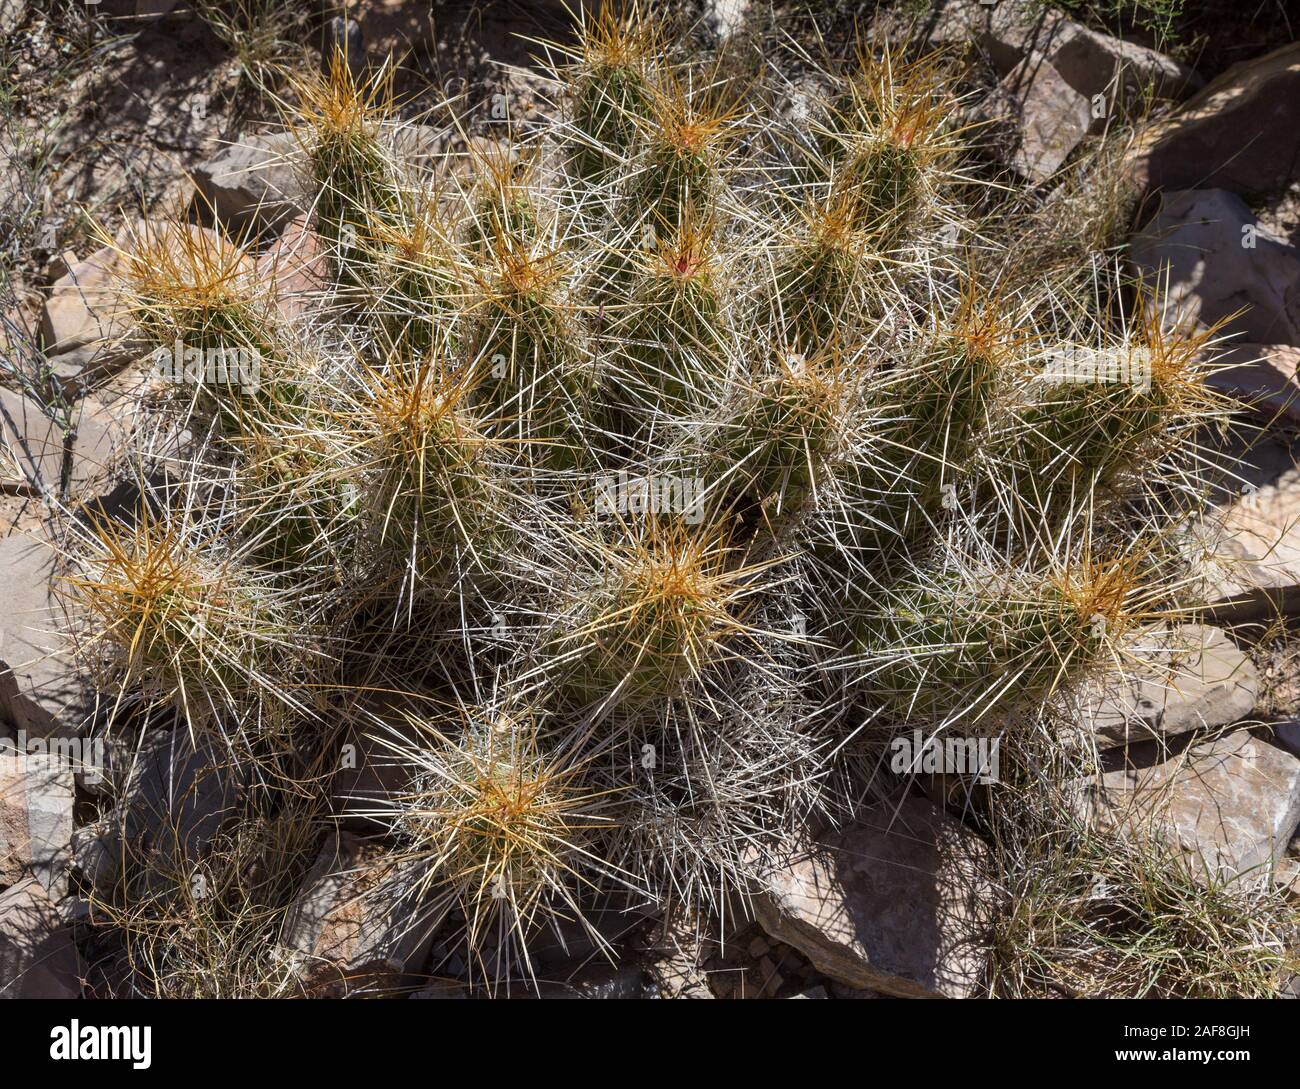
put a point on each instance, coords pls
(1207, 255)
(87, 306)
(41, 690)
(36, 795)
(89, 309)
(1247, 553)
(361, 924)
(1013, 31)
(255, 185)
(1172, 681)
(1061, 81)
(32, 445)
(896, 903)
(1124, 73)
(1241, 132)
(38, 958)
(297, 268)
(1051, 117)
(1008, 31)
(1231, 803)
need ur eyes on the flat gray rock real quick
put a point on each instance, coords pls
(86, 306)
(254, 184)
(41, 690)
(1170, 683)
(896, 903)
(1208, 256)
(1232, 803)
(1247, 552)
(32, 445)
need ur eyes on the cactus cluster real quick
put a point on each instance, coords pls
(665, 458)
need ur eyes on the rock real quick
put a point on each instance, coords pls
(36, 795)
(1244, 459)
(174, 797)
(136, 11)
(87, 306)
(1248, 552)
(33, 446)
(609, 922)
(1016, 32)
(769, 980)
(895, 903)
(1173, 682)
(853, 994)
(1070, 85)
(724, 17)
(12, 14)
(1050, 115)
(297, 267)
(364, 795)
(1233, 801)
(343, 38)
(676, 950)
(20, 325)
(254, 185)
(95, 857)
(38, 958)
(41, 691)
(1241, 132)
(1207, 254)
(74, 374)
(1287, 736)
(360, 924)
(77, 912)
(1008, 32)
(60, 265)
(1264, 377)
(371, 775)
(1125, 73)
